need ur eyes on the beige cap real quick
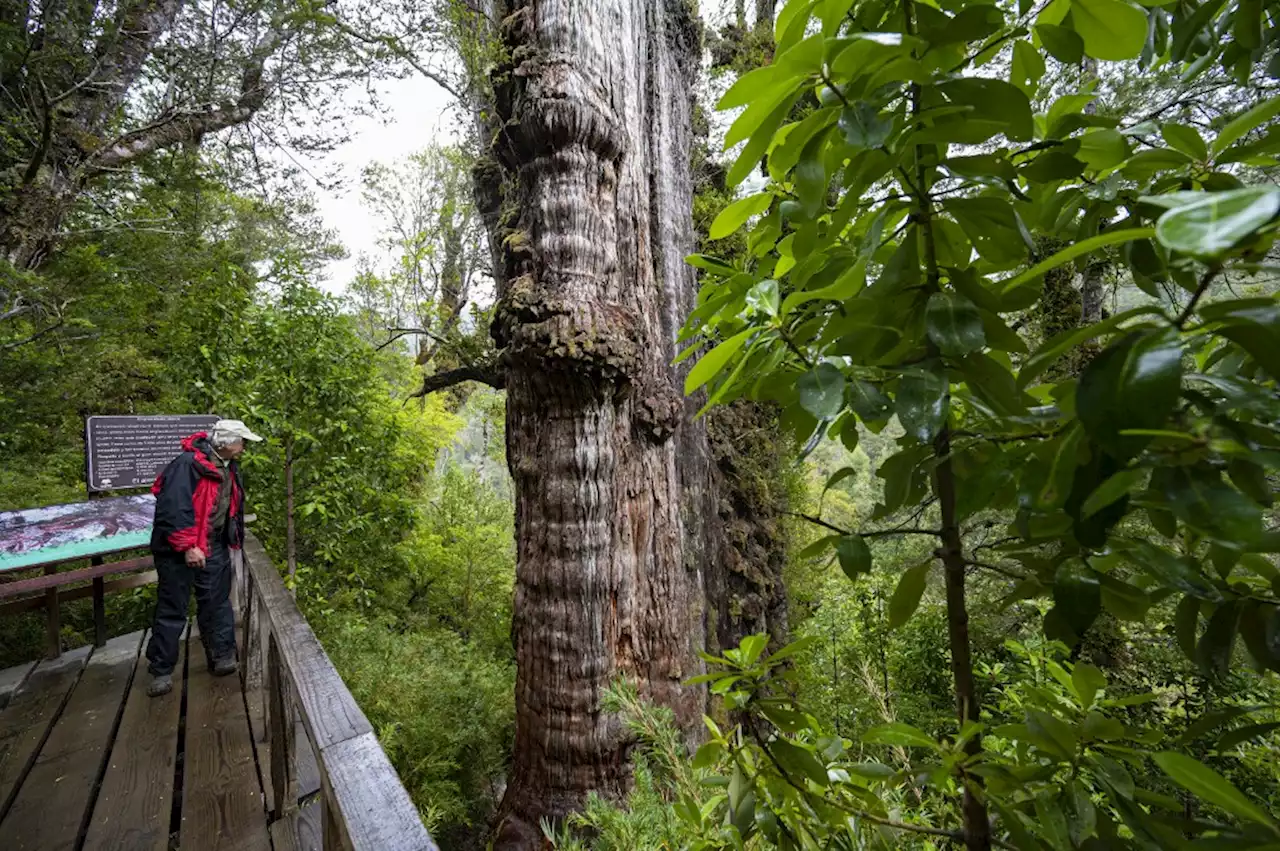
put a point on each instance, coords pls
(236, 427)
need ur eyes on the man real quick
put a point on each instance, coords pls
(199, 520)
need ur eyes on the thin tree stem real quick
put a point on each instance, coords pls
(977, 827)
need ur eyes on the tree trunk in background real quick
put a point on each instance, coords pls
(764, 14)
(589, 202)
(1091, 294)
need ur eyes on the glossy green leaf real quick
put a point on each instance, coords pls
(1133, 384)
(868, 402)
(954, 324)
(863, 126)
(854, 556)
(1208, 785)
(1252, 324)
(922, 402)
(906, 597)
(1243, 123)
(1185, 139)
(1111, 490)
(1063, 43)
(736, 214)
(1173, 571)
(821, 391)
(1212, 225)
(994, 100)
(991, 225)
(1075, 250)
(1027, 67)
(899, 734)
(1111, 29)
(1203, 501)
(1102, 148)
(710, 364)
(1056, 347)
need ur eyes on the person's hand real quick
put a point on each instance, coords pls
(195, 557)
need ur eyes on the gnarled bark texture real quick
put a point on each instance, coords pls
(589, 199)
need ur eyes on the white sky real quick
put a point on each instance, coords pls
(415, 117)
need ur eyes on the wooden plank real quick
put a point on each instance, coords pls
(53, 580)
(222, 804)
(31, 604)
(327, 707)
(62, 779)
(134, 805)
(27, 719)
(11, 679)
(369, 803)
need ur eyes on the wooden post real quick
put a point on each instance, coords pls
(332, 832)
(284, 766)
(53, 622)
(99, 609)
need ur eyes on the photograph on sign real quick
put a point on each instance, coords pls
(78, 530)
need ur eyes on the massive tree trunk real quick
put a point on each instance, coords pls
(615, 515)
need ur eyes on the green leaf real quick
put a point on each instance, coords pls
(922, 402)
(1064, 342)
(1246, 121)
(906, 597)
(954, 324)
(1027, 68)
(854, 556)
(751, 153)
(821, 391)
(1088, 682)
(710, 364)
(798, 762)
(1180, 572)
(994, 100)
(818, 547)
(1127, 602)
(810, 176)
(736, 214)
(1203, 501)
(1208, 785)
(1102, 148)
(1251, 324)
(991, 225)
(1113, 30)
(1185, 139)
(1244, 734)
(899, 734)
(1075, 250)
(1110, 490)
(863, 126)
(868, 402)
(991, 382)
(1077, 596)
(1063, 43)
(1214, 224)
(1133, 384)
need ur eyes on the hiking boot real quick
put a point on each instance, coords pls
(160, 685)
(224, 667)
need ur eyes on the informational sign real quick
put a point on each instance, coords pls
(129, 452)
(80, 530)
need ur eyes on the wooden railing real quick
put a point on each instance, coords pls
(327, 775)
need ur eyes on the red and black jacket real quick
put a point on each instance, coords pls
(186, 493)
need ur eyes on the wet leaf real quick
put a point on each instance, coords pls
(954, 324)
(1212, 225)
(922, 402)
(1133, 384)
(821, 391)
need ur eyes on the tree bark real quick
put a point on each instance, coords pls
(589, 200)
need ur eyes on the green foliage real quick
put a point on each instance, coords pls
(909, 227)
(442, 710)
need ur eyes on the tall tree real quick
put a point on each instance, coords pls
(588, 198)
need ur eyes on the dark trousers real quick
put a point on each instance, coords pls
(213, 608)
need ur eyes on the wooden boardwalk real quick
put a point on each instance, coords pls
(89, 761)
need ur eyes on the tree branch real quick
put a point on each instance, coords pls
(489, 374)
